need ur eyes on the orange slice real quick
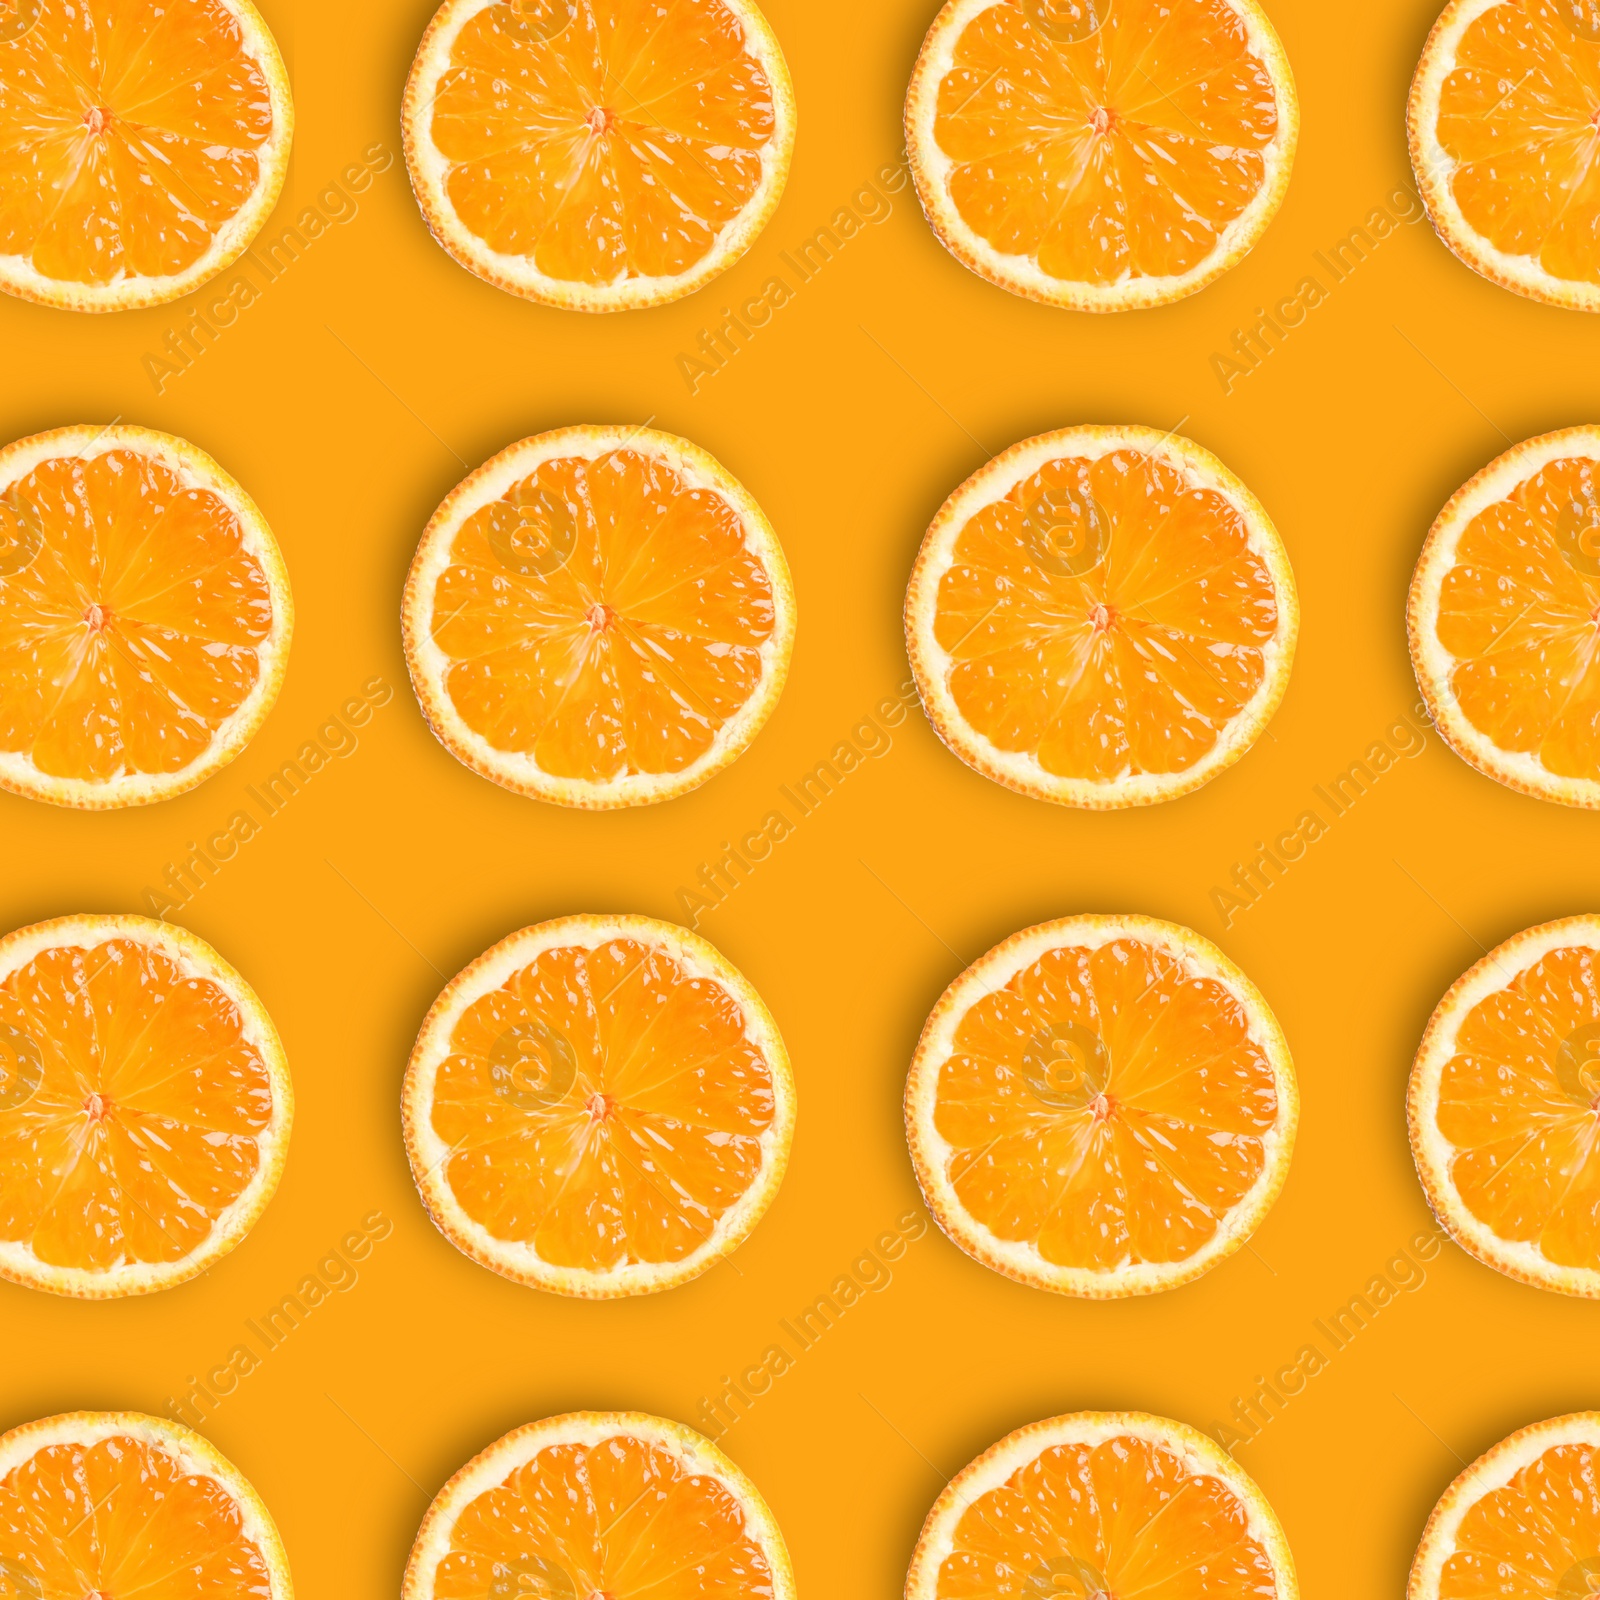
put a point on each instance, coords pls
(598, 155)
(112, 1503)
(599, 617)
(1101, 155)
(144, 1106)
(1101, 617)
(599, 1503)
(1504, 139)
(599, 1106)
(1101, 1504)
(1504, 1108)
(144, 617)
(142, 145)
(1522, 1520)
(1101, 1106)
(1504, 618)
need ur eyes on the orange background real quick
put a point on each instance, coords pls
(362, 386)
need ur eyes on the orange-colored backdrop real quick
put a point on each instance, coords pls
(365, 380)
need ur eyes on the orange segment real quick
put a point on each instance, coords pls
(144, 617)
(1101, 1106)
(1101, 617)
(598, 154)
(144, 145)
(144, 1106)
(1505, 618)
(1099, 1504)
(1504, 140)
(598, 1106)
(1101, 154)
(598, 618)
(107, 1503)
(1505, 1107)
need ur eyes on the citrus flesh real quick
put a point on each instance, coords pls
(1101, 623)
(1101, 154)
(1097, 1505)
(1101, 1107)
(144, 617)
(1505, 1107)
(141, 145)
(619, 1505)
(110, 1504)
(144, 1106)
(598, 153)
(607, 628)
(610, 1115)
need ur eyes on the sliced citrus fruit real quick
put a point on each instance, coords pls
(598, 155)
(144, 617)
(599, 617)
(111, 1503)
(1101, 1504)
(1101, 617)
(599, 1106)
(1101, 155)
(1101, 1106)
(1523, 1520)
(1504, 1108)
(599, 1503)
(1503, 143)
(144, 1106)
(142, 145)
(1504, 618)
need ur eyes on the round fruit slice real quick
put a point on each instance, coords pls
(1101, 617)
(1101, 1504)
(142, 145)
(1101, 155)
(144, 1106)
(112, 1503)
(1503, 144)
(1101, 1106)
(1504, 618)
(1504, 1108)
(144, 617)
(1523, 1520)
(598, 155)
(599, 1106)
(599, 1503)
(599, 617)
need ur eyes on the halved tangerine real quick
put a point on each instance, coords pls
(145, 1106)
(599, 617)
(145, 617)
(599, 1106)
(142, 145)
(1101, 1106)
(1101, 617)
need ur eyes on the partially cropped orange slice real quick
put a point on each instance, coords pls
(599, 617)
(1101, 155)
(111, 1503)
(1504, 618)
(1505, 1108)
(598, 154)
(613, 1504)
(1101, 1504)
(142, 145)
(1101, 1106)
(145, 617)
(1101, 617)
(1522, 1520)
(1504, 143)
(599, 1106)
(145, 1106)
